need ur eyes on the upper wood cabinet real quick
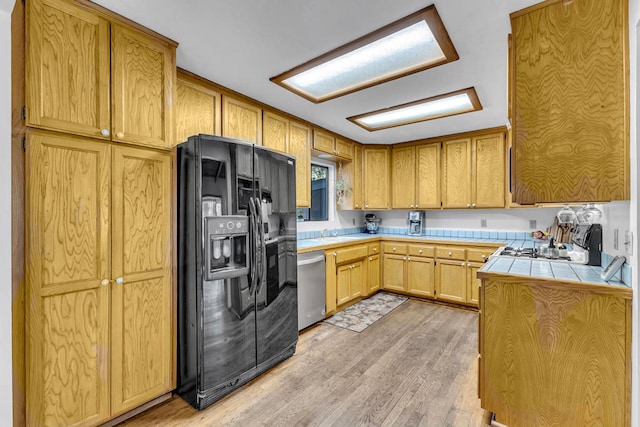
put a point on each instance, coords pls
(198, 109)
(241, 120)
(300, 146)
(122, 80)
(403, 177)
(98, 265)
(275, 131)
(570, 105)
(415, 177)
(376, 177)
(428, 176)
(473, 173)
(357, 176)
(332, 145)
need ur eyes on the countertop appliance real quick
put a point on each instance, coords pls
(589, 238)
(233, 322)
(416, 223)
(311, 288)
(371, 223)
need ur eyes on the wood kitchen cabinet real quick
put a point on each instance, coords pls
(570, 133)
(403, 177)
(345, 274)
(421, 271)
(332, 145)
(349, 281)
(415, 176)
(300, 146)
(376, 177)
(372, 282)
(428, 176)
(275, 131)
(451, 280)
(123, 79)
(98, 265)
(473, 172)
(357, 176)
(241, 120)
(198, 108)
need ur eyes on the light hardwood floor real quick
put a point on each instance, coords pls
(415, 366)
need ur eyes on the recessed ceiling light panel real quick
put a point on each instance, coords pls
(411, 44)
(435, 107)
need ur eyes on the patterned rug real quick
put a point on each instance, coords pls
(364, 313)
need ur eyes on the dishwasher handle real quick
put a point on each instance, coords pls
(314, 260)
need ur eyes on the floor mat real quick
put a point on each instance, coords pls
(364, 313)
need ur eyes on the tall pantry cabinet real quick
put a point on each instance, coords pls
(98, 214)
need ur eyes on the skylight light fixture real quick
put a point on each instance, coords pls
(408, 45)
(435, 107)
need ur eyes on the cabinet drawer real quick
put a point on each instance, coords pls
(374, 249)
(350, 254)
(450, 253)
(394, 248)
(420, 250)
(291, 246)
(479, 255)
(281, 247)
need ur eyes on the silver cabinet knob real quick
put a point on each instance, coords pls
(366, 206)
(409, 259)
(370, 259)
(120, 280)
(375, 249)
(335, 254)
(483, 256)
(411, 205)
(420, 251)
(404, 259)
(394, 249)
(450, 254)
(120, 135)
(105, 132)
(468, 205)
(473, 205)
(105, 282)
(463, 264)
(416, 206)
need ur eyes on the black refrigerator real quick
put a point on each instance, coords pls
(237, 312)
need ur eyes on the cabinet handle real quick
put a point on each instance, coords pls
(483, 256)
(416, 206)
(366, 206)
(335, 254)
(420, 251)
(450, 254)
(105, 282)
(357, 205)
(468, 205)
(105, 132)
(394, 249)
(404, 258)
(120, 135)
(473, 205)
(411, 205)
(409, 259)
(370, 259)
(120, 280)
(463, 264)
(289, 254)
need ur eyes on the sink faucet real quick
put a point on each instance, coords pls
(323, 233)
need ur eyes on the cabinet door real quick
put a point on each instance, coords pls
(282, 268)
(393, 272)
(275, 131)
(376, 177)
(451, 280)
(241, 120)
(403, 177)
(473, 289)
(343, 283)
(323, 142)
(488, 165)
(456, 173)
(428, 176)
(421, 276)
(142, 333)
(344, 149)
(67, 69)
(357, 276)
(143, 75)
(373, 274)
(300, 146)
(197, 110)
(67, 263)
(292, 267)
(570, 133)
(357, 176)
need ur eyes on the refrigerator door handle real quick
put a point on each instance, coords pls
(254, 247)
(262, 269)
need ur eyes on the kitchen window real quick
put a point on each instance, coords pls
(319, 210)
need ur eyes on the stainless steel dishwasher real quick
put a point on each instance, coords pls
(311, 288)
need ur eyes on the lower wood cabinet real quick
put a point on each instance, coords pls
(409, 269)
(420, 276)
(349, 282)
(451, 280)
(473, 283)
(98, 279)
(373, 282)
(393, 272)
(346, 272)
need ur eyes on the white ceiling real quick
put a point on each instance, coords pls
(240, 44)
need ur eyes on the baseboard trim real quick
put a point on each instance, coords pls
(140, 409)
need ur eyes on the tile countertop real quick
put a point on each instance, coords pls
(307, 245)
(551, 271)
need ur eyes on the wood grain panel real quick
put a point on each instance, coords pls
(143, 76)
(198, 110)
(300, 146)
(451, 281)
(561, 358)
(376, 177)
(67, 68)
(275, 131)
(343, 284)
(68, 250)
(393, 272)
(473, 283)
(344, 149)
(241, 120)
(372, 283)
(357, 176)
(421, 276)
(456, 173)
(488, 171)
(428, 176)
(570, 102)
(403, 177)
(323, 142)
(141, 313)
(357, 276)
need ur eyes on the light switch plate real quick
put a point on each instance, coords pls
(615, 239)
(628, 242)
(533, 224)
(483, 223)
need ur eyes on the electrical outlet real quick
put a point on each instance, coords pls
(353, 221)
(483, 223)
(615, 239)
(628, 242)
(533, 224)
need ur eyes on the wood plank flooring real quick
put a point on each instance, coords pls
(414, 367)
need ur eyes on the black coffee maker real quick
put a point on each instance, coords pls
(589, 238)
